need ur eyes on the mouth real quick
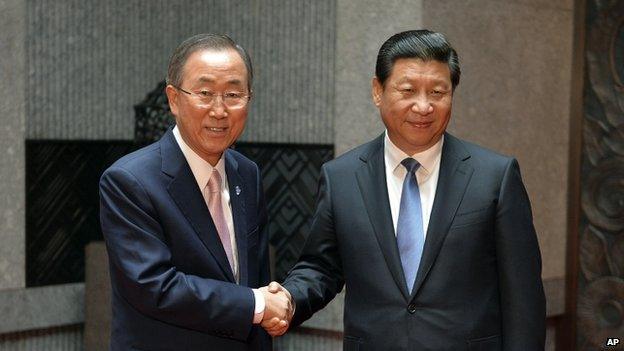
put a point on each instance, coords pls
(421, 125)
(217, 129)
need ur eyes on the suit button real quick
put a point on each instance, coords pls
(411, 308)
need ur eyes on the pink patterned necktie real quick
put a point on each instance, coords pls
(213, 200)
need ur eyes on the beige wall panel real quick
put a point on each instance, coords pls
(514, 97)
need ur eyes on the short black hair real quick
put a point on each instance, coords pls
(421, 44)
(207, 41)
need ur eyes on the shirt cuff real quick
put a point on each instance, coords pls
(259, 307)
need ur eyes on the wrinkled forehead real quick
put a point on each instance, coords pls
(211, 66)
(211, 79)
(405, 69)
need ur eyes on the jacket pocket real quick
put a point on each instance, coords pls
(351, 343)
(488, 343)
(471, 217)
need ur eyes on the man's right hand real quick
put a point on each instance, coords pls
(278, 309)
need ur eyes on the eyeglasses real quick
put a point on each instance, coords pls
(206, 99)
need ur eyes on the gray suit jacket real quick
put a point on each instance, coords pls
(479, 282)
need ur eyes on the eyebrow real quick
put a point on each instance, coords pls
(204, 79)
(433, 80)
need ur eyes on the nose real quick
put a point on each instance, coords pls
(422, 105)
(217, 110)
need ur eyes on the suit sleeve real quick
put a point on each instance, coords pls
(519, 267)
(145, 276)
(317, 277)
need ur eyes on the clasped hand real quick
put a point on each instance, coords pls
(278, 310)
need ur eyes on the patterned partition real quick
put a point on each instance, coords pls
(62, 177)
(600, 306)
(62, 205)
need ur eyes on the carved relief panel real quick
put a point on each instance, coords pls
(600, 306)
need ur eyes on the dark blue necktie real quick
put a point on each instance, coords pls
(410, 234)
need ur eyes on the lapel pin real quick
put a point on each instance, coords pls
(238, 190)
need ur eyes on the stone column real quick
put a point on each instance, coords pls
(362, 26)
(12, 161)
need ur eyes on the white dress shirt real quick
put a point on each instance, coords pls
(202, 171)
(426, 175)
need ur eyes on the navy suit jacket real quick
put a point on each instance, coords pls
(172, 286)
(478, 285)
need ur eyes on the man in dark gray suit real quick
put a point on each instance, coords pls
(433, 236)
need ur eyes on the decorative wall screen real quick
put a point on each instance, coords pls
(63, 203)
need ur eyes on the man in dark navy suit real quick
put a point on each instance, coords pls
(184, 219)
(432, 236)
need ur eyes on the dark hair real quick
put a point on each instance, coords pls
(422, 44)
(208, 41)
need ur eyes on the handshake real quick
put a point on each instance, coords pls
(278, 309)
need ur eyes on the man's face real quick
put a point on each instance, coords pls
(415, 103)
(210, 130)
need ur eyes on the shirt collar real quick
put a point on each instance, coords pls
(202, 170)
(427, 159)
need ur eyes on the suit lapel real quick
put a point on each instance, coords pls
(455, 173)
(237, 195)
(371, 177)
(185, 193)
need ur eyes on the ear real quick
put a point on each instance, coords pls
(172, 96)
(377, 91)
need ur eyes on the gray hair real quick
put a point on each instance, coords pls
(207, 41)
